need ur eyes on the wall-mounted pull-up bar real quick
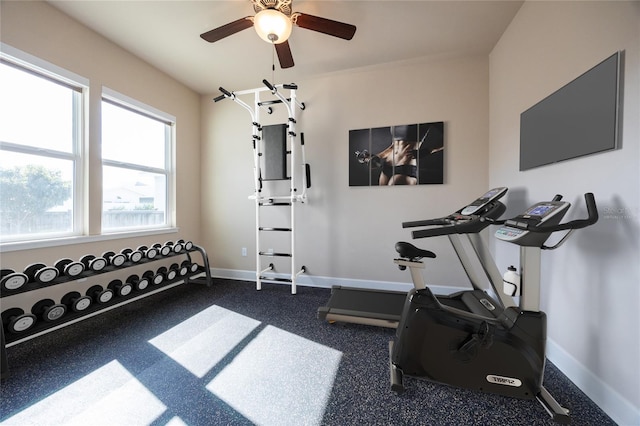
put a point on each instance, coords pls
(278, 164)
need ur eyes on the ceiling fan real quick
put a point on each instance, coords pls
(274, 21)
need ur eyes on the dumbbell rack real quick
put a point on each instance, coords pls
(41, 327)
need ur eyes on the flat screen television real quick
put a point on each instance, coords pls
(579, 119)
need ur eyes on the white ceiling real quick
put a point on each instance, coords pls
(166, 34)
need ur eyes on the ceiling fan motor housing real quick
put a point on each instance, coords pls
(283, 6)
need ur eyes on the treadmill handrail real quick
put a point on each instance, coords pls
(427, 222)
(460, 224)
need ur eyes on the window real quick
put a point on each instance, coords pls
(43, 159)
(136, 164)
(41, 131)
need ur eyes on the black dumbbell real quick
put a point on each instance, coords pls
(159, 248)
(76, 302)
(175, 269)
(149, 252)
(41, 273)
(119, 288)
(169, 274)
(49, 310)
(164, 250)
(69, 267)
(186, 245)
(191, 267)
(99, 294)
(178, 246)
(93, 263)
(133, 255)
(158, 278)
(16, 321)
(12, 280)
(115, 259)
(138, 283)
(183, 268)
(168, 248)
(153, 277)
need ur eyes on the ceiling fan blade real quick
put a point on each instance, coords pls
(325, 26)
(284, 55)
(228, 29)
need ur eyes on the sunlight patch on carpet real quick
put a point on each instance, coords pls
(109, 395)
(279, 378)
(200, 342)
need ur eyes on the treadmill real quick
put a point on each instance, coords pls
(383, 308)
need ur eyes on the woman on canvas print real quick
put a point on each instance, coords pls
(398, 163)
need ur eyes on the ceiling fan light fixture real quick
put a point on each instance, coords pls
(272, 26)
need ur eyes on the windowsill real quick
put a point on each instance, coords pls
(81, 239)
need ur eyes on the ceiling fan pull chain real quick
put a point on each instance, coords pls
(273, 63)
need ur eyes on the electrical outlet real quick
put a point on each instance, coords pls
(244, 252)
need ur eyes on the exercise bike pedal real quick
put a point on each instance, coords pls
(395, 373)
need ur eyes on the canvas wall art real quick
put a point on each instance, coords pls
(409, 154)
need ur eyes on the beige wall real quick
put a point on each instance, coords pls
(350, 232)
(590, 285)
(41, 30)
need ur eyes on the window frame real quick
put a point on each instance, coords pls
(10, 56)
(121, 100)
(84, 211)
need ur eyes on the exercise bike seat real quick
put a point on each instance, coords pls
(411, 252)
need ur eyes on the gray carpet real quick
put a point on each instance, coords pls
(230, 355)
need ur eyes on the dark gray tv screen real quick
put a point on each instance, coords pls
(579, 119)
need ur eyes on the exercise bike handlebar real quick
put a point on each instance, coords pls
(592, 217)
(456, 223)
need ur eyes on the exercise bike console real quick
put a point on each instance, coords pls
(538, 222)
(517, 231)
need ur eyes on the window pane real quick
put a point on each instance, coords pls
(131, 137)
(36, 195)
(35, 111)
(132, 199)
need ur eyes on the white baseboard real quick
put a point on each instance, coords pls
(611, 402)
(328, 282)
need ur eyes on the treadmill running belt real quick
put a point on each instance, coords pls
(361, 306)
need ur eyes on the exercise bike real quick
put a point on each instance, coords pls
(471, 339)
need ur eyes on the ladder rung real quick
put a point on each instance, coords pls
(264, 253)
(274, 204)
(275, 229)
(286, 280)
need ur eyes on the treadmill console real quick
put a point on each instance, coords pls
(470, 219)
(547, 213)
(480, 203)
